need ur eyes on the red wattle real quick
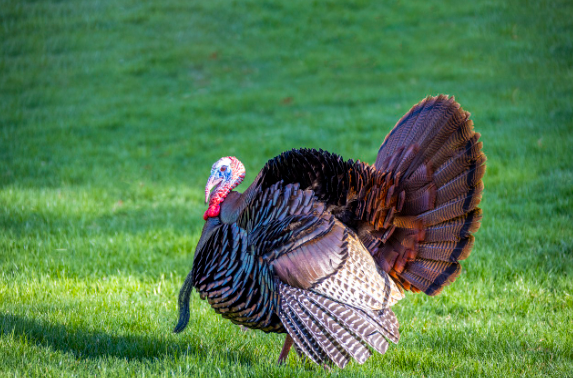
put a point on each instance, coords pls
(212, 212)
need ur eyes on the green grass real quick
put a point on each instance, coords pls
(112, 112)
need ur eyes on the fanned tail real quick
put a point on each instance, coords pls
(435, 155)
(331, 332)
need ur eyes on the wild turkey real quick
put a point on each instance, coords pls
(321, 248)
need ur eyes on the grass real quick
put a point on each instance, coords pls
(112, 112)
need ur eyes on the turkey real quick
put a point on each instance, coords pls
(321, 248)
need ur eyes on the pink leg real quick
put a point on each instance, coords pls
(286, 348)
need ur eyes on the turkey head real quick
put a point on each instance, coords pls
(226, 174)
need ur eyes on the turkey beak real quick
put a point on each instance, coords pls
(211, 183)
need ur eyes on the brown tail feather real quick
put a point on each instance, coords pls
(441, 165)
(464, 158)
(459, 185)
(458, 139)
(453, 208)
(455, 229)
(446, 250)
(420, 200)
(440, 273)
(416, 281)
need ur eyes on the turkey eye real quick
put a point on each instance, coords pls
(223, 169)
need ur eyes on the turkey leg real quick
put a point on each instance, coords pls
(286, 348)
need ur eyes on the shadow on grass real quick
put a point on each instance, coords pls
(86, 344)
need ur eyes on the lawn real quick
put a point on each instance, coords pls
(112, 112)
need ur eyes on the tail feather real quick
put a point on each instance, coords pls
(460, 184)
(427, 286)
(454, 208)
(458, 139)
(421, 123)
(446, 250)
(462, 159)
(420, 177)
(420, 200)
(446, 120)
(417, 281)
(440, 173)
(433, 269)
(454, 229)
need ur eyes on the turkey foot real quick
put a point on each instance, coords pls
(286, 348)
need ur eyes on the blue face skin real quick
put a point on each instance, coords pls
(222, 172)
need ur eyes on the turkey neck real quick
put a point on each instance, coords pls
(235, 202)
(231, 207)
